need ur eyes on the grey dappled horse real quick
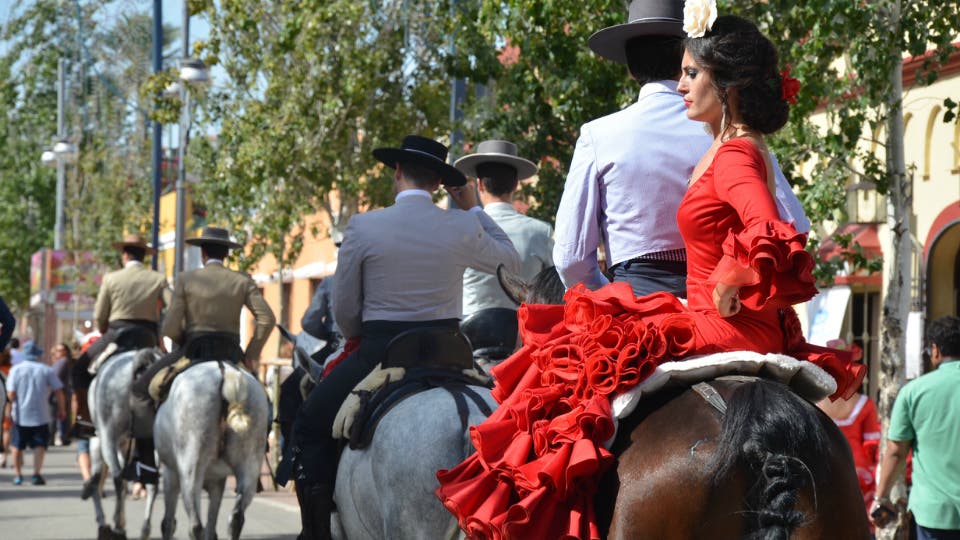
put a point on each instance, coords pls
(109, 401)
(386, 490)
(200, 443)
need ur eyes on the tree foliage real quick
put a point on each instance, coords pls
(312, 87)
(108, 191)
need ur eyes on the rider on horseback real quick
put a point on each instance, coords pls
(204, 321)
(129, 303)
(399, 268)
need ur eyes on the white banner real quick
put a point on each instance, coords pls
(827, 311)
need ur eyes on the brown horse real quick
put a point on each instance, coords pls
(772, 466)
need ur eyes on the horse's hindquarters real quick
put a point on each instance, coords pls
(387, 489)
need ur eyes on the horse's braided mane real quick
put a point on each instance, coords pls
(771, 435)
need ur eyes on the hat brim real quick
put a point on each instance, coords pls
(468, 164)
(449, 176)
(201, 241)
(147, 249)
(610, 43)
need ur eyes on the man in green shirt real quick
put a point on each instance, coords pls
(926, 419)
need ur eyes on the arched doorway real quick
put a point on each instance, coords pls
(943, 270)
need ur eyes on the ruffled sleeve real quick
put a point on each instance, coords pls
(764, 256)
(770, 265)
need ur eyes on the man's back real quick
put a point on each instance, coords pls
(32, 381)
(406, 263)
(533, 240)
(133, 292)
(927, 411)
(628, 175)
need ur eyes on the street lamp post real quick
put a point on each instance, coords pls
(192, 73)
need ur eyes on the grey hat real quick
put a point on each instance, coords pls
(424, 152)
(213, 235)
(645, 18)
(495, 151)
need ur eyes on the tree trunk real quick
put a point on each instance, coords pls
(898, 266)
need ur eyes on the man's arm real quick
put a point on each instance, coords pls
(577, 235)
(493, 247)
(173, 321)
(891, 466)
(263, 323)
(348, 294)
(61, 405)
(101, 310)
(312, 320)
(7, 324)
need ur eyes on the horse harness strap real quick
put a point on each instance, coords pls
(460, 393)
(710, 394)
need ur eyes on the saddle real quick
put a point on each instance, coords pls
(202, 348)
(492, 333)
(416, 360)
(127, 339)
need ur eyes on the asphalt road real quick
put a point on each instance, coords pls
(55, 511)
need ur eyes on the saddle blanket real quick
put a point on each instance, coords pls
(352, 407)
(806, 379)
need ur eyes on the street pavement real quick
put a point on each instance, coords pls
(55, 511)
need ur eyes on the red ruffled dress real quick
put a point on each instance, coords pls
(540, 454)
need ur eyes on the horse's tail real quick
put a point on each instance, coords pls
(235, 394)
(775, 437)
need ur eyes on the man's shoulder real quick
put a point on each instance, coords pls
(533, 224)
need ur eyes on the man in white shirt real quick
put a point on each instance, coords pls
(630, 169)
(499, 170)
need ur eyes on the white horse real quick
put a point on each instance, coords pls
(386, 490)
(109, 401)
(200, 443)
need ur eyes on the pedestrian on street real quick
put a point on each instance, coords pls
(28, 389)
(926, 418)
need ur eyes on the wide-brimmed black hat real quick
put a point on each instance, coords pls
(424, 152)
(215, 236)
(134, 241)
(645, 18)
(495, 151)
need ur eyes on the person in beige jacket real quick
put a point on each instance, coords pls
(203, 321)
(129, 301)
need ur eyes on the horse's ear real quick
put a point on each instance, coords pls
(286, 334)
(517, 289)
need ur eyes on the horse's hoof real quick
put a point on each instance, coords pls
(236, 525)
(104, 533)
(167, 528)
(118, 535)
(196, 533)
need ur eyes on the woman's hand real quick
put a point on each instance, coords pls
(726, 300)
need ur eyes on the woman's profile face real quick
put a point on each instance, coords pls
(60, 351)
(699, 95)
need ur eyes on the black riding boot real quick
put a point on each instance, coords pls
(143, 469)
(316, 504)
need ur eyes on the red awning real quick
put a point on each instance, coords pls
(863, 235)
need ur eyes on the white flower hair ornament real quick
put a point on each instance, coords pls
(698, 17)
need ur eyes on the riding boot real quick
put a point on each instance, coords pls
(82, 427)
(316, 505)
(143, 468)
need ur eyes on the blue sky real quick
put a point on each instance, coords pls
(172, 13)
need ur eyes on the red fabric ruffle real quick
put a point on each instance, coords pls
(540, 454)
(769, 263)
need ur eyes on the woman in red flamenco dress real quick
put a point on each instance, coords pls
(539, 455)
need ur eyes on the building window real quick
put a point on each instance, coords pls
(865, 331)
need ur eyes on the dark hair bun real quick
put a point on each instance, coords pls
(739, 56)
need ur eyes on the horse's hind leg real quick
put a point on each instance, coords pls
(215, 491)
(246, 488)
(171, 490)
(190, 485)
(119, 514)
(148, 511)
